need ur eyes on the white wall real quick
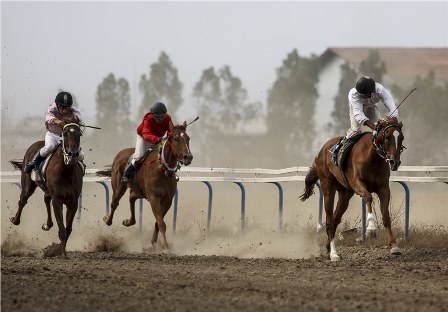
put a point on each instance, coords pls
(327, 89)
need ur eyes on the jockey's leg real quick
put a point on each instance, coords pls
(34, 163)
(129, 172)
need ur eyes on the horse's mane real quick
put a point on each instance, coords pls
(180, 127)
(71, 119)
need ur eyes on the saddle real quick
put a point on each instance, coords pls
(344, 150)
(140, 161)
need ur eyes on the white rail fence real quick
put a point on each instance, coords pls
(239, 176)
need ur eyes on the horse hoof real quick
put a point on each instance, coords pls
(107, 221)
(371, 233)
(45, 227)
(395, 251)
(14, 221)
(334, 257)
(126, 222)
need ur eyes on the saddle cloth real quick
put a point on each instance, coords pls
(38, 174)
(344, 150)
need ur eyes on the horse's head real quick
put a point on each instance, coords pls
(181, 143)
(389, 142)
(71, 139)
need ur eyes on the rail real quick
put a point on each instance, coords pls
(239, 176)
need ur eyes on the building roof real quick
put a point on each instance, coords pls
(402, 64)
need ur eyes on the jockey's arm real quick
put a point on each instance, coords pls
(369, 124)
(171, 126)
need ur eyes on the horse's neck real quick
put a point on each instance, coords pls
(169, 154)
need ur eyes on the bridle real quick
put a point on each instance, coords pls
(68, 157)
(379, 141)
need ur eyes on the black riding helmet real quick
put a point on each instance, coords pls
(158, 109)
(365, 86)
(64, 99)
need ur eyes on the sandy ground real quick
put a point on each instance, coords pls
(367, 279)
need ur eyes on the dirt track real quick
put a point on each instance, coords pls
(367, 279)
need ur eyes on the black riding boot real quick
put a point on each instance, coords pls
(128, 173)
(34, 164)
(334, 151)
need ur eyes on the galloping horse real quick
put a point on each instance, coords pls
(63, 180)
(155, 180)
(367, 171)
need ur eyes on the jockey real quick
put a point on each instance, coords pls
(62, 107)
(152, 130)
(364, 109)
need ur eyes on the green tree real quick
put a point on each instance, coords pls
(113, 103)
(340, 115)
(221, 101)
(373, 66)
(161, 84)
(290, 110)
(425, 116)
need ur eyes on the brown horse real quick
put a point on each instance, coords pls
(367, 171)
(155, 179)
(63, 180)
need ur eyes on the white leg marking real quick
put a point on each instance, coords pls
(371, 222)
(333, 254)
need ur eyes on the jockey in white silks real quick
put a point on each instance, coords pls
(364, 111)
(62, 107)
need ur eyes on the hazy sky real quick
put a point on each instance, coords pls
(75, 45)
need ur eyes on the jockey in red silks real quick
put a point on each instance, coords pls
(62, 107)
(152, 130)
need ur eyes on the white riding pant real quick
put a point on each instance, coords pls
(372, 112)
(141, 146)
(51, 142)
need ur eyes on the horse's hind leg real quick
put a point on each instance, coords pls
(341, 207)
(28, 188)
(49, 224)
(384, 196)
(116, 196)
(361, 189)
(329, 193)
(131, 221)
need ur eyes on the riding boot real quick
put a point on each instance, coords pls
(34, 164)
(128, 173)
(334, 151)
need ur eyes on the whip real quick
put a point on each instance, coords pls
(403, 101)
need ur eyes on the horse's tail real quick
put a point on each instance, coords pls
(17, 164)
(310, 179)
(104, 173)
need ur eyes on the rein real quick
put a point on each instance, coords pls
(163, 165)
(67, 157)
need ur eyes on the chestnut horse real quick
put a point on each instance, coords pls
(367, 171)
(63, 180)
(154, 180)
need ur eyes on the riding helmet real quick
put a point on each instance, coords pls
(158, 108)
(365, 86)
(64, 99)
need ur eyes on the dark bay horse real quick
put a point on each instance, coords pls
(367, 171)
(63, 180)
(155, 179)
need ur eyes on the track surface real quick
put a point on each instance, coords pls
(367, 279)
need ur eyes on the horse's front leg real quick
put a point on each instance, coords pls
(158, 214)
(49, 224)
(28, 188)
(118, 192)
(57, 208)
(341, 207)
(384, 196)
(155, 234)
(131, 221)
(361, 189)
(70, 216)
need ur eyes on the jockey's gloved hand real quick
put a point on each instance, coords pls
(164, 137)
